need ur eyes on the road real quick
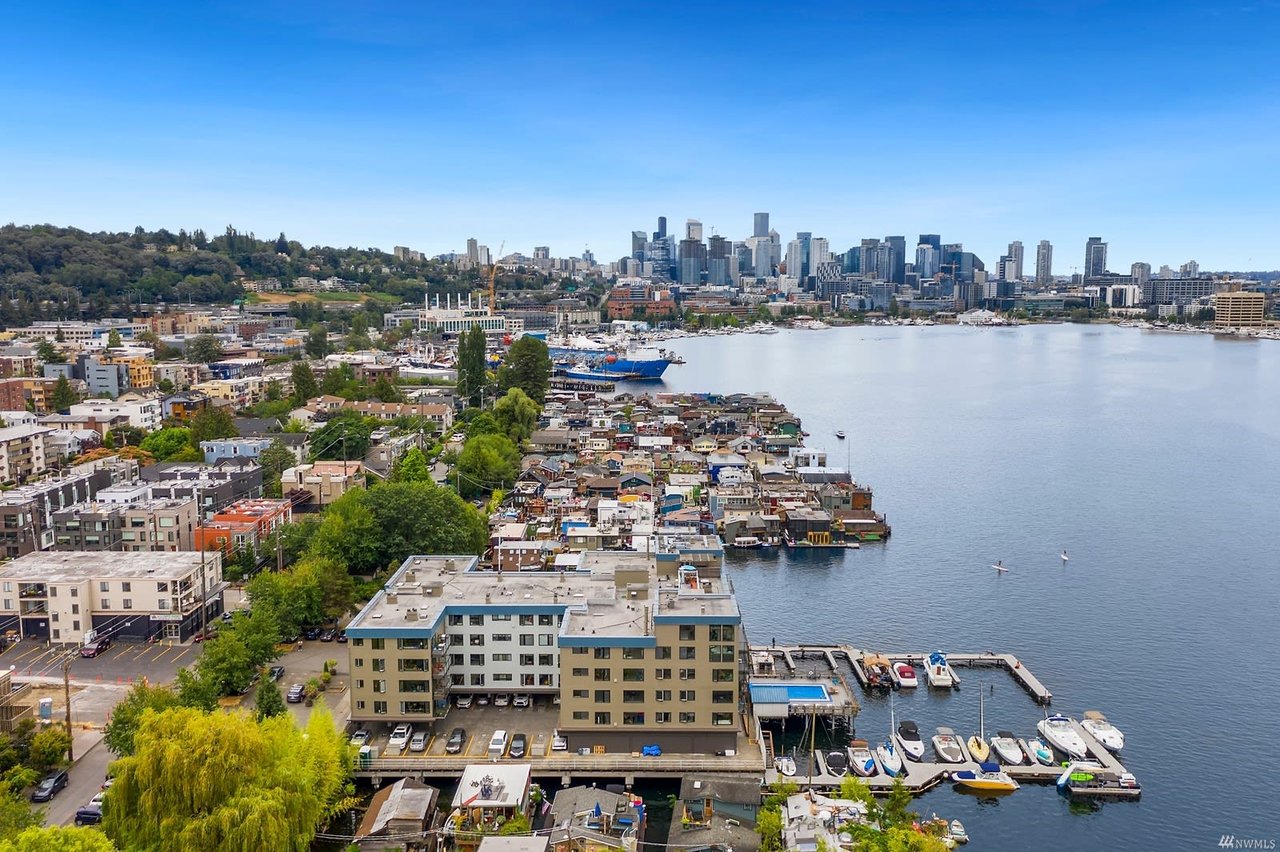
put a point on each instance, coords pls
(84, 779)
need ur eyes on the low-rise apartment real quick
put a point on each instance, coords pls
(22, 452)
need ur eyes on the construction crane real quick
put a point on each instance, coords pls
(493, 274)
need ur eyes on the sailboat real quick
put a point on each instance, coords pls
(890, 760)
(978, 748)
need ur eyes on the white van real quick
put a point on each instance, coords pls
(498, 744)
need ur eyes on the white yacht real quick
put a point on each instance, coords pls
(909, 739)
(1103, 731)
(1006, 747)
(1061, 734)
(939, 671)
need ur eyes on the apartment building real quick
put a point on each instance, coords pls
(1239, 309)
(61, 596)
(239, 393)
(22, 452)
(640, 650)
(139, 363)
(325, 481)
(214, 486)
(26, 512)
(243, 524)
(141, 525)
(143, 412)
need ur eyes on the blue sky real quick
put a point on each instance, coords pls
(569, 125)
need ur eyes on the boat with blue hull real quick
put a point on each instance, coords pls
(616, 362)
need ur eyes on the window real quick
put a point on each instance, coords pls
(662, 695)
(380, 708)
(636, 718)
(546, 680)
(413, 686)
(55, 618)
(106, 603)
(603, 653)
(722, 696)
(662, 674)
(411, 644)
(688, 674)
(501, 637)
(721, 653)
(378, 644)
(57, 633)
(8, 603)
(455, 638)
(413, 707)
(721, 632)
(722, 718)
(579, 650)
(603, 718)
(688, 695)
(546, 659)
(545, 621)
(455, 659)
(633, 675)
(604, 675)
(75, 593)
(633, 696)
(126, 587)
(476, 640)
(502, 617)
(662, 652)
(104, 586)
(128, 603)
(581, 693)
(662, 718)
(580, 672)
(359, 662)
(687, 632)
(53, 590)
(526, 680)
(162, 605)
(603, 696)
(357, 642)
(526, 640)
(688, 652)
(502, 677)
(163, 588)
(379, 664)
(411, 665)
(477, 621)
(579, 715)
(359, 705)
(455, 621)
(526, 621)
(477, 680)
(477, 659)
(633, 653)
(546, 640)
(688, 718)
(722, 675)
(500, 658)
(526, 659)
(379, 686)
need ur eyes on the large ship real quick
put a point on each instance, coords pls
(613, 361)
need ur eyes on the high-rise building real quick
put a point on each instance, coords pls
(1095, 257)
(1044, 263)
(804, 238)
(1190, 269)
(761, 228)
(868, 260)
(693, 260)
(638, 241)
(1140, 272)
(1015, 259)
(897, 260)
(931, 240)
(473, 251)
(762, 257)
(819, 252)
(718, 260)
(795, 258)
(661, 233)
(927, 260)
(693, 230)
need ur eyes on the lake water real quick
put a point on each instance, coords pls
(1154, 459)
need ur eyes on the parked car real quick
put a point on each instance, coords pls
(501, 699)
(90, 814)
(399, 737)
(211, 632)
(559, 743)
(50, 786)
(457, 740)
(275, 672)
(93, 649)
(521, 700)
(463, 702)
(311, 633)
(360, 737)
(328, 635)
(519, 746)
(253, 679)
(342, 637)
(482, 700)
(418, 742)
(498, 744)
(295, 693)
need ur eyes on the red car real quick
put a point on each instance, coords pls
(93, 649)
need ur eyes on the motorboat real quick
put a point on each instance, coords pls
(909, 739)
(939, 671)
(989, 778)
(861, 760)
(1006, 748)
(785, 765)
(905, 675)
(1061, 734)
(747, 542)
(1039, 752)
(947, 746)
(889, 758)
(958, 834)
(1103, 731)
(840, 434)
(879, 671)
(977, 744)
(837, 763)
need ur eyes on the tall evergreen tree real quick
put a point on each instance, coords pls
(471, 365)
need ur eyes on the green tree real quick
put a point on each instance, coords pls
(527, 367)
(517, 415)
(385, 390)
(305, 386)
(113, 339)
(340, 380)
(249, 785)
(203, 349)
(345, 435)
(195, 691)
(516, 825)
(57, 838)
(49, 748)
(480, 422)
(16, 815)
(317, 344)
(62, 397)
(125, 716)
(274, 460)
(49, 353)
(213, 422)
(412, 467)
(485, 463)
(471, 365)
(269, 701)
(167, 442)
(226, 663)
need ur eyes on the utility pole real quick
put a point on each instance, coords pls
(66, 694)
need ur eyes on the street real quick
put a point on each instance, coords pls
(85, 778)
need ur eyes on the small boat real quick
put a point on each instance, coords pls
(1103, 731)
(1065, 557)
(785, 765)
(999, 566)
(890, 760)
(837, 763)
(989, 778)
(860, 759)
(977, 744)
(939, 671)
(1039, 752)
(840, 434)
(947, 746)
(1006, 748)
(1060, 733)
(958, 834)
(905, 675)
(879, 671)
(909, 739)
(747, 542)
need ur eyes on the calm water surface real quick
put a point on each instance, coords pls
(1154, 459)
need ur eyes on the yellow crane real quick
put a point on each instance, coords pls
(493, 274)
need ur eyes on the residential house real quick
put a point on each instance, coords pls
(397, 815)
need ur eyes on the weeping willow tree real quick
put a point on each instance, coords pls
(222, 781)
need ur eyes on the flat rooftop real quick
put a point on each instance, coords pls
(73, 566)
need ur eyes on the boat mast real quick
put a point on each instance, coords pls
(982, 717)
(813, 738)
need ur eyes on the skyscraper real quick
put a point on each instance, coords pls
(804, 238)
(693, 230)
(638, 241)
(1095, 257)
(934, 240)
(819, 252)
(1190, 269)
(762, 257)
(662, 228)
(1015, 261)
(897, 259)
(473, 251)
(1044, 263)
(761, 228)
(927, 260)
(718, 260)
(868, 261)
(795, 258)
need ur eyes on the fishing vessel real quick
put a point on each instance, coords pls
(989, 778)
(1103, 731)
(1061, 734)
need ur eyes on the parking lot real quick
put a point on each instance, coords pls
(538, 723)
(123, 662)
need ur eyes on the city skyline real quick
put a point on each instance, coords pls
(425, 127)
